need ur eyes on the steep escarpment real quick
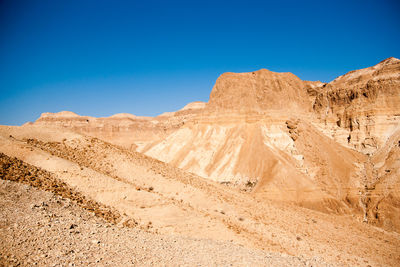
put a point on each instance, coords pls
(259, 91)
(254, 134)
(279, 138)
(291, 140)
(361, 108)
(382, 185)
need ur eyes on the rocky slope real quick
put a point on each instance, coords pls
(172, 205)
(280, 138)
(361, 108)
(382, 184)
(40, 228)
(126, 130)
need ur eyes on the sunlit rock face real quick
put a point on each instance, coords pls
(361, 108)
(259, 91)
(310, 143)
(319, 145)
(126, 130)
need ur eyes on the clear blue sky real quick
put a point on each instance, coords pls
(143, 57)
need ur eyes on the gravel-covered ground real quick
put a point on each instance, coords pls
(40, 228)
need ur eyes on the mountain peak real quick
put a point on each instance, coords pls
(61, 114)
(390, 60)
(258, 91)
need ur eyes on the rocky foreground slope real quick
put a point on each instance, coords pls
(131, 190)
(40, 228)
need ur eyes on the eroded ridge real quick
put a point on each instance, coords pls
(16, 170)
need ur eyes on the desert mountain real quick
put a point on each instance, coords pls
(270, 162)
(278, 136)
(259, 91)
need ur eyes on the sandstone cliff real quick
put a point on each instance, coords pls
(259, 91)
(361, 108)
(311, 143)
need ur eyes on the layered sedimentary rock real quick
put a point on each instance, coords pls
(321, 145)
(381, 192)
(256, 133)
(126, 130)
(293, 140)
(259, 91)
(121, 129)
(361, 108)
